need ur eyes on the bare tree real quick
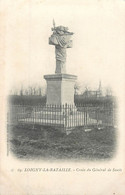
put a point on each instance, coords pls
(108, 91)
(40, 91)
(21, 91)
(30, 90)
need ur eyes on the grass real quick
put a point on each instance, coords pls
(52, 144)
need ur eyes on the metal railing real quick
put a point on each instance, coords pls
(66, 116)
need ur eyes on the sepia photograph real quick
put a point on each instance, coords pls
(62, 97)
(64, 119)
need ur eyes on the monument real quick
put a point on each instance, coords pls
(60, 86)
(60, 109)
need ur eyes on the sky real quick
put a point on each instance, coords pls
(98, 52)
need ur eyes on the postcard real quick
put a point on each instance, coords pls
(62, 97)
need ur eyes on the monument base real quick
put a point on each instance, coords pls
(60, 89)
(66, 121)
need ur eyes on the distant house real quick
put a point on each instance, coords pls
(93, 94)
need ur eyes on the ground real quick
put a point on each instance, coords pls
(49, 143)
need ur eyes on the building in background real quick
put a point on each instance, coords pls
(93, 94)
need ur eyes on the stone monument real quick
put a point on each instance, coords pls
(60, 86)
(60, 109)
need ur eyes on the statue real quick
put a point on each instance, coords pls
(61, 39)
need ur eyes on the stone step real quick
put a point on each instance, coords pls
(48, 115)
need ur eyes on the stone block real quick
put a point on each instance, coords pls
(60, 89)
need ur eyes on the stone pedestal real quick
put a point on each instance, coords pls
(60, 89)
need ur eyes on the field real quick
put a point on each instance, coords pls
(48, 143)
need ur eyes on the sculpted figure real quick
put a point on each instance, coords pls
(61, 40)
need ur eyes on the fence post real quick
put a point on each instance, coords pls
(65, 112)
(56, 114)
